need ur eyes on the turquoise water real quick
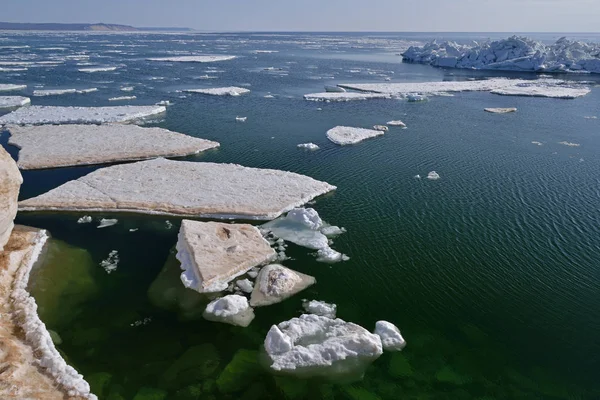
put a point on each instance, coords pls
(490, 272)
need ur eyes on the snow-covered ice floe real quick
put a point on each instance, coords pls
(52, 146)
(166, 187)
(304, 227)
(317, 346)
(37, 115)
(6, 87)
(511, 54)
(231, 309)
(320, 308)
(13, 102)
(308, 146)
(222, 91)
(500, 110)
(276, 283)
(212, 253)
(390, 335)
(98, 69)
(521, 87)
(344, 96)
(197, 59)
(58, 92)
(344, 135)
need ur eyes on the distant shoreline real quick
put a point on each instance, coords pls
(96, 27)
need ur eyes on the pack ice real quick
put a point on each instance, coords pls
(38, 115)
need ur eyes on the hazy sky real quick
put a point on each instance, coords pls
(320, 15)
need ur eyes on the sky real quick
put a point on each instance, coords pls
(319, 15)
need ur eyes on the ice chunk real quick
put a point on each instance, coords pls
(86, 219)
(344, 96)
(127, 89)
(97, 69)
(198, 59)
(344, 135)
(104, 223)
(570, 144)
(212, 253)
(276, 283)
(58, 92)
(500, 110)
(381, 128)
(396, 123)
(245, 285)
(320, 308)
(222, 91)
(231, 309)
(13, 102)
(308, 146)
(537, 143)
(316, 346)
(6, 87)
(414, 97)
(241, 119)
(391, 339)
(122, 98)
(330, 231)
(111, 263)
(433, 176)
(38, 115)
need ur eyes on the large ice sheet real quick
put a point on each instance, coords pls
(38, 115)
(13, 101)
(344, 135)
(222, 91)
(198, 59)
(168, 187)
(51, 146)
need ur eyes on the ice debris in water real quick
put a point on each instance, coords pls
(222, 91)
(308, 146)
(168, 224)
(141, 322)
(86, 219)
(570, 144)
(127, 89)
(396, 123)
(198, 59)
(417, 176)
(122, 98)
(245, 285)
(57, 92)
(391, 339)
(231, 309)
(316, 346)
(319, 308)
(433, 176)
(111, 263)
(13, 101)
(415, 97)
(241, 119)
(537, 143)
(107, 222)
(500, 110)
(276, 283)
(97, 69)
(344, 135)
(382, 128)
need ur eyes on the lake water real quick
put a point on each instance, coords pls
(492, 272)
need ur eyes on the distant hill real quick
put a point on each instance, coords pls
(99, 27)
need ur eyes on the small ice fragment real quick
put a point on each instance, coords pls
(134, 229)
(122, 98)
(417, 176)
(538, 143)
(168, 224)
(111, 263)
(164, 103)
(382, 128)
(391, 339)
(332, 231)
(308, 146)
(107, 222)
(269, 96)
(86, 219)
(570, 144)
(433, 176)
(127, 89)
(397, 123)
(329, 255)
(245, 285)
(241, 119)
(413, 97)
(320, 308)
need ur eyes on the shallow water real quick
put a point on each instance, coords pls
(491, 272)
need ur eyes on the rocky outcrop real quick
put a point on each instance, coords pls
(10, 182)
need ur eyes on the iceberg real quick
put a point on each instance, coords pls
(52, 146)
(231, 309)
(308, 146)
(212, 253)
(344, 96)
(565, 143)
(276, 283)
(344, 135)
(198, 59)
(7, 102)
(5, 87)
(39, 115)
(166, 187)
(317, 346)
(390, 335)
(223, 91)
(500, 110)
(320, 308)
(58, 92)
(512, 54)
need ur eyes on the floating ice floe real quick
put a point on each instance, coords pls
(433, 176)
(570, 144)
(52, 146)
(127, 89)
(417, 90)
(381, 128)
(304, 227)
(500, 110)
(320, 308)
(198, 59)
(105, 223)
(245, 285)
(269, 96)
(396, 123)
(212, 253)
(7, 102)
(86, 219)
(166, 187)
(231, 309)
(334, 89)
(537, 143)
(223, 91)
(5, 87)
(38, 115)
(122, 98)
(13, 69)
(390, 335)
(58, 92)
(512, 54)
(345, 96)
(276, 283)
(308, 146)
(344, 135)
(111, 263)
(98, 69)
(241, 119)
(414, 97)
(316, 346)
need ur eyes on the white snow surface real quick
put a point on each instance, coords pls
(13, 101)
(36, 115)
(222, 91)
(320, 308)
(198, 59)
(344, 96)
(390, 335)
(7, 87)
(38, 336)
(344, 135)
(512, 54)
(313, 345)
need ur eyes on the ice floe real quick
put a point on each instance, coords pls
(381, 128)
(320, 308)
(570, 144)
(308, 146)
(122, 98)
(222, 91)
(6, 87)
(500, 110)
(127, 89)
(86, 219)
(98, 69)
(58, 92)
(213, 253)
(513, 54)
(36, 115)
(231, 309)
(433, 176)
(198, 59)
(317, 346)
(105, 223)
(536, 90)
(344, 135)
(13, 102)
(51, 146)
(245, 285)
(241, 119)
(344, 96)
(276, 283)
(396, 123)
(390, 335)
(111, 263)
